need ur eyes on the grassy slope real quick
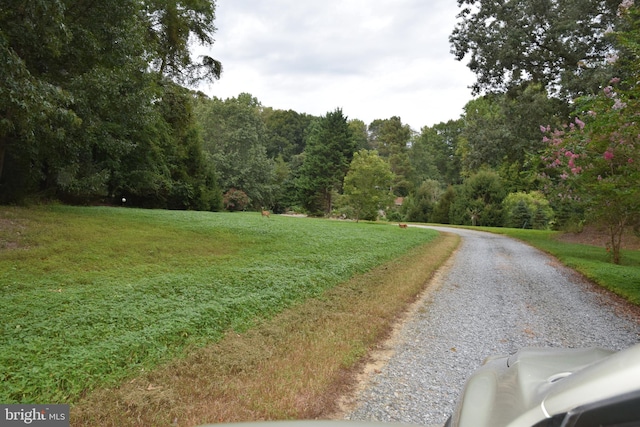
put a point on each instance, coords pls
(94, 295)
(592, 261)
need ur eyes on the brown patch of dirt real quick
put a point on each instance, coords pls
(11, 233)
(599, 237)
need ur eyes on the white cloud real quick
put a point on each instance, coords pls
(372, 58)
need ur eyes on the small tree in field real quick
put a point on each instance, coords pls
(367, 184)
(235, 200)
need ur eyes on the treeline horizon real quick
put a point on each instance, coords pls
(96, 109)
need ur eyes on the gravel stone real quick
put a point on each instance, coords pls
(497, 296)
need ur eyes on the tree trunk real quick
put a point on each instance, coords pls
(615, 232)
(2, 152)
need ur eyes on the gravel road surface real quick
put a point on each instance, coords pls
(495, 296)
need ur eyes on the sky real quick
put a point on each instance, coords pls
(374, 59)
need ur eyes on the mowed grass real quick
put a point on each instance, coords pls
(91, 296)
(592, 261)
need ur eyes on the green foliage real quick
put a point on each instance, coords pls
(527, 210)
(329, 151)
(366, 185)
(420, 206)
(172, 25)
(234, 136)
(433, 153)
(286, 132)
(91, 296)
(441, 212)
(479, 200)
(559, 44)
(360, 134)
(85, 117)
(390, 138)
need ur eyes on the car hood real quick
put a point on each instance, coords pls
(534, 384)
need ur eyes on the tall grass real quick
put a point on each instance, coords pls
(593, 262)
(90, 296)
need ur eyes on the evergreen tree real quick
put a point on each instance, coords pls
(329, 152)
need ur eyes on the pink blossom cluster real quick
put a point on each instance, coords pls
(624, 6)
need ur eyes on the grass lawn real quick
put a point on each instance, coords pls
(592, 261)
(91, 296)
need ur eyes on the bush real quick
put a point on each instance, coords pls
(235, 200)
(527, 210)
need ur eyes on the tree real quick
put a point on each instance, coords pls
(441, 211)
(596, 159)
(360, 134)
(82, 111)
(485, 133)
(329, 151)
(479, 200)
(172, 25)
(559, 44)
(286, 132)
(366, 185)
(390, 137)
(433, 152)
(527, 210)
(420, 206)
(234, 136)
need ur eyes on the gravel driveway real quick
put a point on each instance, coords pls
(495, 296)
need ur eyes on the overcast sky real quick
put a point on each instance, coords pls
(373, 58)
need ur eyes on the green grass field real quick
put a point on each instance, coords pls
(91, 296)
(592, 261)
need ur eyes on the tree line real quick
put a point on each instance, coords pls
(96, 107)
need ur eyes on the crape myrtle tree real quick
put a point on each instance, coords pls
(329, 151)
(595, 160)
(85, 89)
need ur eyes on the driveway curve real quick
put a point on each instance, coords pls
(495, 296)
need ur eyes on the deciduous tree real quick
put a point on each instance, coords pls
(367, 185)
(560, 44)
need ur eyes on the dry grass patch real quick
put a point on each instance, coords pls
(293, 366)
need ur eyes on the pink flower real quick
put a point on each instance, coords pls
(615, 80)
(608, 155)
(630, 160)
(580, 123)
(608, 92)
(619, 105)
